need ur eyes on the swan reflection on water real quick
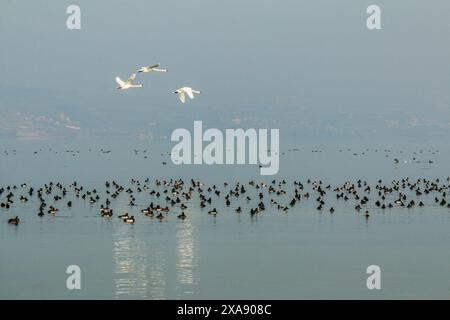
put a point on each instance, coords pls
(187, 259)
(141, 267)
(130, 265)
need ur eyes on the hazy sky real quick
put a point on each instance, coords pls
(307, 65)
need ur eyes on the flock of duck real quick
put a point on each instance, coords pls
(129, 83)
(159, 198)
(420, 156)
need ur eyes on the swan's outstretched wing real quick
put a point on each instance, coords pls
(182, 96)
(159, 70)
(153, 66)
(189, 92)
(131, 78)
(120, 82)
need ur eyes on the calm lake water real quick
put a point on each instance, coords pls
(300, 254)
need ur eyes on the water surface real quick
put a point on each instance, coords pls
(294, 255)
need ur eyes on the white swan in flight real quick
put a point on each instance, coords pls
(123, 85)
(152, 68)
(185, 90)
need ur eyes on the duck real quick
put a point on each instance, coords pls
(14, 221)
(182, 215)
(147, 212)
(104, 210)
(129, 219)
(5, 205)
(52, 210)
(107, 213)
(213, 211)
(124, 216)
